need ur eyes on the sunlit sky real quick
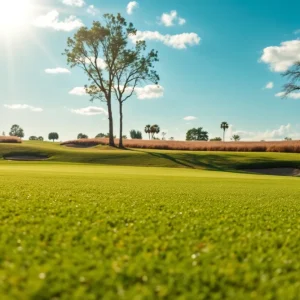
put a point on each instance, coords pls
(220, 60)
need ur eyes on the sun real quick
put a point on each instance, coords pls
(14, 15)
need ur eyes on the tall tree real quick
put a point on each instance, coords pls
(16, 130)
(163, 135)
(197, 134)
(224, 126)
(97, 52)
(148, 130)
(154, 129)
(134, 67)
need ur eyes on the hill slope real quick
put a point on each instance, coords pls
(156, 158)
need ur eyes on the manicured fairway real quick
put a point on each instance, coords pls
(75, 231)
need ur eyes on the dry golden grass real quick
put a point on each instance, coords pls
(282, 146)
(10, 139)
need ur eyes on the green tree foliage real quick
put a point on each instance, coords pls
(124, 137)
(100, 135)
(111, 67)
(154, 129)
(53, 136)
(148, 130)
(82, 136)
(224, 126)
(16, 130)
(216, 139)
(135, 134)
(197, 134)
(36, 138)
(288, 139)
(236, 138)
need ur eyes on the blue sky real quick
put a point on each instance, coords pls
(216, 59)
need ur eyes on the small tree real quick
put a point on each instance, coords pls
(197, 134)
(124, 137)
(82, 136)
(33, 138)
(53, 136)
(154, 129)
(100, 135)
(40, 138)
(148, 130)
(216, 139)
(16, 130)
(3, 133)
(236, 138)
(288, 139)
(163, 135)
(171, 138)
(224, 126)
(135, 134)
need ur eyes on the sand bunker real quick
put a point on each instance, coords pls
(79, 146)
(26, 157)
(277, 171)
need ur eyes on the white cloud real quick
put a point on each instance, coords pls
(170, 19)
(23, 106)
(131, 7)
(269, 85)
(78, 3)
(290, 95)
(280, 58)
(177, 41)
(146, 92)
(78, 91)
(149, 91)
(51, 20)
(92, 10)
(275, 134)
(189, 118)
(57, 71)
(90, 111)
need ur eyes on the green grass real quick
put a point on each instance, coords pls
(154, 158)
(70, 231)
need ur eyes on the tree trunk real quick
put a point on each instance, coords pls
(223, 135)
(121, 125)
(111, 124)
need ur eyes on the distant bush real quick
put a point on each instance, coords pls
(10, 139)
(36, 138)
(135, 134)
(282, 146)
(82, 136)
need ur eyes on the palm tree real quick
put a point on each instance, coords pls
(154, 129)
(148, 130)
(163, 135)
(224, 126)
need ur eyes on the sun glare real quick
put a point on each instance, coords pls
(14, 15)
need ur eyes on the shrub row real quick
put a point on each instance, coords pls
(281, 146)
(10, 139)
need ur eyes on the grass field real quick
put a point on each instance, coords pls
(104, 155)
(100, 224)
(72, 231)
